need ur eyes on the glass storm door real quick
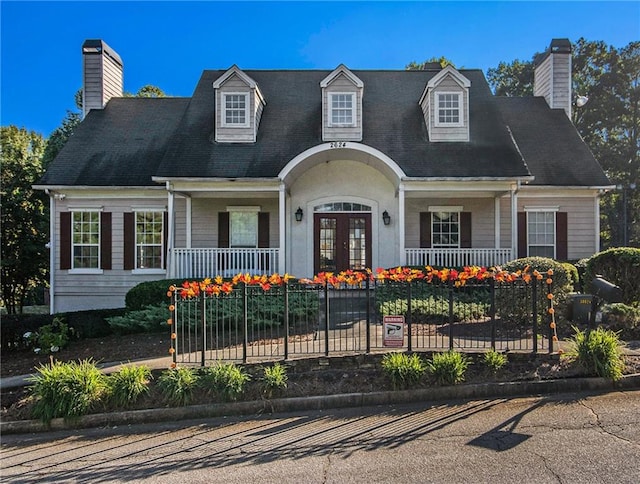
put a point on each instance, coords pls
(342, 241)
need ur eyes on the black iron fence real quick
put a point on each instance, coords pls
(294, 319)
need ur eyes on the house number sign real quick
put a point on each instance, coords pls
(338, 144)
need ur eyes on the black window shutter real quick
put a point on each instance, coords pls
(561, 236)
(223, 229)
(105, 241)
(465, 229)
(65, 240)
(522, 235)
(263, 229)
(425, 229)
(129, 241)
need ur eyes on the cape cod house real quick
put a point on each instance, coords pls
(303, 171)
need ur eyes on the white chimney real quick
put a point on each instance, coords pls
(102, 75)
(552, 75)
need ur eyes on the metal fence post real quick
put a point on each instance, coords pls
(409, 318)
(368, 315)
(245, 322)
(492, 291)
(549, 306)
(174, 328)
(286, 320)
(450, 314)
(326, 318)
(203, 321)
(534, 313)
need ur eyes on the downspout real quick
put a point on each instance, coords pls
(52, 250)
(514, 219)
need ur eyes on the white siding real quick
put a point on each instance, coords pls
(238, 135)
(103, 79)
(552, 80)
(430, 108)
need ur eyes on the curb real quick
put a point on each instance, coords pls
(324, 402)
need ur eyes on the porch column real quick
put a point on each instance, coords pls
(496, 211)
(282, 227)
(401, 224)
(514, 220)
(170, 229)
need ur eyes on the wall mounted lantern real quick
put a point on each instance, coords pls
(299, 215)
(386, 218)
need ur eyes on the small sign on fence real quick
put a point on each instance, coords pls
(393, 331)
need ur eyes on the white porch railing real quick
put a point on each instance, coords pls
(201, 263)
(457, 257)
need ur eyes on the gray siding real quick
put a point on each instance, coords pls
(430, 108)
(552, 80)
(238, 135)
(75, 291)
(341, 84)
(103, 79)
(482, 219)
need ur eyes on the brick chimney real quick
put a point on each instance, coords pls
(552, 75)
(102, 75)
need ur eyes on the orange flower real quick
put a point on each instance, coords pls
(552, 325)
(169, 321)
(174, 336)
(550, 272)
(173, 365)
(172, 308)
(171, 351)
(549, 296)
(549, 281)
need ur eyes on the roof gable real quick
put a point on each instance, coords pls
(344, 70)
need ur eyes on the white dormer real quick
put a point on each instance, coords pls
(342, 94)
(445, 105)
(239, 106)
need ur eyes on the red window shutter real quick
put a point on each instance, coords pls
(562, 249)
(129, 241)
(425, 229)
(522, 235)
(263, 229)
(465, 229)
(223, 229)
(105, 240)
(65, 240)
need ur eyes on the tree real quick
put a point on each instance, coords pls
(608, 123)
(442, 61)
(150, 91)
(24, 219)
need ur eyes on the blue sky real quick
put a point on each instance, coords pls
(168, 44)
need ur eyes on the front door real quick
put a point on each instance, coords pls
(342, 241)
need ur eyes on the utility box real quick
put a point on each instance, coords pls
(580, 307)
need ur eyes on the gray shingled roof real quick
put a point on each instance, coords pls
(121, 145)
(550, 144)
(134, 139)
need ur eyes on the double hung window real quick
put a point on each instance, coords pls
(149, 240)
(86, 240)
(541, 234)
(445, 229)
(243, 228)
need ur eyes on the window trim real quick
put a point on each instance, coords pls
(223, 113)
(354, 100)
(148, 270)
(461, 111)
(433, 232)
(251, 209)
(552, 210)
(86, 270)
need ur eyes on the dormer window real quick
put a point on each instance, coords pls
(239, 107)
(342, 109)
(445, 106)
(236, 110)
(342, 93)
(449, 109)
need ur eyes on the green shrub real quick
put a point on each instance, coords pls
(178, 385)
(513, 300)
(128, 384)
(448, 368)
(436, 309)
(151, 319)
(404, 370)
(572, 273)
(67, 389)
(620, 266)
(598, 352)
(494, 361)
(274, 379)
(150, 293)
(619, 316)
(226, 380)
